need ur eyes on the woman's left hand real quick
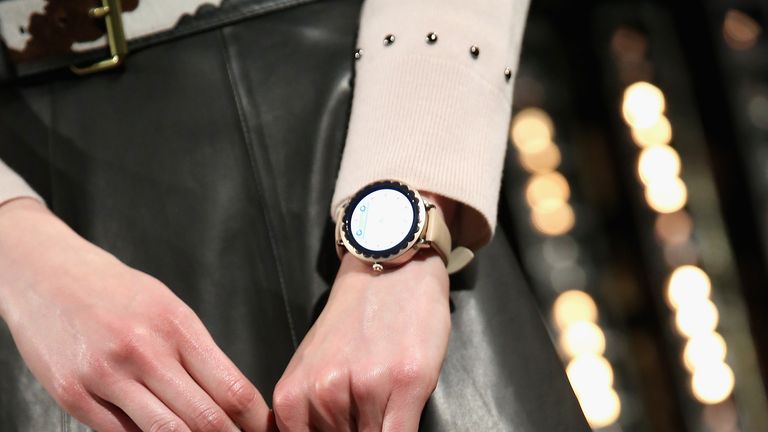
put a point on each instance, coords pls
(373, 357)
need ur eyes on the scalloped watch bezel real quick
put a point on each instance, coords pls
(404, 249)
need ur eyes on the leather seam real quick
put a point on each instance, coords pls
(245, 130)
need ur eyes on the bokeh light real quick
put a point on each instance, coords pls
(601, 406)
(582, 337)
(543, 187)
(572, 306)
(674, 228)
(553, 217)
(694, 318)
(658, 164)
(680, 254)
(666, 196)
(704, 348)
(659, 133)
(687, 284)
(712, 383)
(589, 370)
(643, 105)
(532, 130)
(740, 30)
(540, 162)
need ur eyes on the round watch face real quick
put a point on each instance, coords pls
(382, 219)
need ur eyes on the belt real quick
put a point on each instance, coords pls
(89, 36)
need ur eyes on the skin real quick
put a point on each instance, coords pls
(120, 352)
(113, 346)
(373, 357)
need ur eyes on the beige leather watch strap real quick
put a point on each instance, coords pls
(439, 237)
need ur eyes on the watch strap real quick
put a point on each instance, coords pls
(439, 237)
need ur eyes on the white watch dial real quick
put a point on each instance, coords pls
(382, 220)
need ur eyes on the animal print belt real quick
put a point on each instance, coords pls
(93, 35)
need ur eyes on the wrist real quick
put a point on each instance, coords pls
(35, 246)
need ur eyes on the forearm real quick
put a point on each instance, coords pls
(431, 114)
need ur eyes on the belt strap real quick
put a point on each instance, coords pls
(85, 33)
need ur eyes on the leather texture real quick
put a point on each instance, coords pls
(209, 163)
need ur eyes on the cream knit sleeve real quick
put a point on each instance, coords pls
(433, 114)
(12, 186)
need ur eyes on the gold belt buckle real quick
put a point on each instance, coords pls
(111, 11)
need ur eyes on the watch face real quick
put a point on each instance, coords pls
(382, 219)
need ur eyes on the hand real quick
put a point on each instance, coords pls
(113, 346)
(374, 355)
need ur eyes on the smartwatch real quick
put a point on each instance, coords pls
(387, 223)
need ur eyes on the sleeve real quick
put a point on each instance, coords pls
(435, 113)
(12, 186)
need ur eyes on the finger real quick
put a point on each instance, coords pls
(102, 416)
(143, 407)
(171, 383)
(403, 413)
(291, 407)
(330, 403)
(223, 381)
(369, 402)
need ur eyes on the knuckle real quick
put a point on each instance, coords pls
(177, 317)
(210, 419)
(128, 344)
(240, 396)
(70, 394)
(165, 424)
(414, 376)
(97, 370)
(329, 389)
(285, 400)
(365, 388)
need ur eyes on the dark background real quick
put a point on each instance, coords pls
(710, 59)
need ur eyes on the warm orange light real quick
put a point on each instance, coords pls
(532, 130)
(674, 228)
(601, 406)
(589, 370)
(572, 306)
(643, 105)
(543, 187)
(581, 338)
(667, 196)
(740, 30)
(712, 383)
(541, 162)
(659, 133)
(687, 284)
(704, 349)
(659, 163)
(553, 217)
(696, 318)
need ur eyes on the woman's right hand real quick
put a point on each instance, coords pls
(113, 346)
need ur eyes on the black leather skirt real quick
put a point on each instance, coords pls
(209, 163)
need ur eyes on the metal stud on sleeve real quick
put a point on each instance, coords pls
(508, 73)
(431, 37)
(474, 51)
(358, 53)
(389, 39)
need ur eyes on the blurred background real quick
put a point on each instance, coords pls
(638, 183)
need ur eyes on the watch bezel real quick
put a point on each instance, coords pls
(410, 239)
